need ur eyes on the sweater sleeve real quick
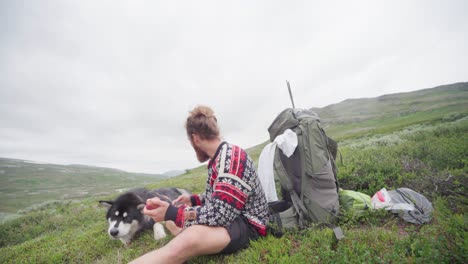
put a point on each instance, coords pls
(226, 203)
(197, 199)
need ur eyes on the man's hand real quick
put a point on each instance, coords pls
(183, 199)
(159, 212)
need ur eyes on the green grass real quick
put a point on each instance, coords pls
(76, 231)
(24, 186)
(426, 151)
(395, 121)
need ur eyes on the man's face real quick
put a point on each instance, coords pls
(201, 155)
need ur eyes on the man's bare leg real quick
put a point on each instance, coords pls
(194, 241)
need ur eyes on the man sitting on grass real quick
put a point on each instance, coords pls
(232, 211)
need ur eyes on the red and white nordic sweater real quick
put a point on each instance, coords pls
(238, 193)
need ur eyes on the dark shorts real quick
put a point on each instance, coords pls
(241, 234)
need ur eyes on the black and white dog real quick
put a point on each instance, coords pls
(125, 213)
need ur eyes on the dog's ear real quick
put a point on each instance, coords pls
(106, 204)
(140, 207)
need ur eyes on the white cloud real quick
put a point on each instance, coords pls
(110, 83)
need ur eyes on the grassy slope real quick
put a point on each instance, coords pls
(24, 185)
(384, 114)
(423, 153)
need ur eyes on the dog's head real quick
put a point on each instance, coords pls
(125, 215)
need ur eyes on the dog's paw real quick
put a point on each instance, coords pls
(159, 232)
(126, 242)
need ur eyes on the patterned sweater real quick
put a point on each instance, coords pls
(236, 192)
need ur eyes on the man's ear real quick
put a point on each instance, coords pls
(140, 207)
(106, 204)
(196, 139)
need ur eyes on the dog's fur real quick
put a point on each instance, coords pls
(125, 213)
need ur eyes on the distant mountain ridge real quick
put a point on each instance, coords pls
(173, 173)
(13, 162)
(25, 183)
(351, 116)
(351, 110)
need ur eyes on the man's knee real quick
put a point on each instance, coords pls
(185, 242)
(199, 239)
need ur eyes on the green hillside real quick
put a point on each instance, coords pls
(354, 117)
(25, 185)
(417, 140)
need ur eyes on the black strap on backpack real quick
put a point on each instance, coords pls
(408, 200)
(285, 181)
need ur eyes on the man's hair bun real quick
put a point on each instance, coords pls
(202, 121)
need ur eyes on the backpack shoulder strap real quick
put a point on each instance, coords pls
(332, 158)
(283, 176)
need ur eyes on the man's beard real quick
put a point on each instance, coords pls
(201, 155)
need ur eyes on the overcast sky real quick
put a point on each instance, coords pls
(110, 83)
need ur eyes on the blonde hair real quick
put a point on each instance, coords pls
(202, 121)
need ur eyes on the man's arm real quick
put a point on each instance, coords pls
(229, 197)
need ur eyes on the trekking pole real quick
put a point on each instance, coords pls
(290, 94)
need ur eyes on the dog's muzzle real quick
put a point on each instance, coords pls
(114, 232)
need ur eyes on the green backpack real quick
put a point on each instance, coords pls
(309, 185)
(355, 202)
